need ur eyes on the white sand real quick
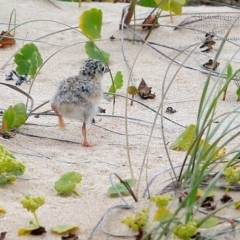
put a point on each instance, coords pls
(52, 152)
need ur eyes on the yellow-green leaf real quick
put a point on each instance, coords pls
(132, 90)
(2, 210)
(184, 139)
(64, 228)
(163, 4)
(27, 230)
(176, 7)
(237, 204)
(90, 22)
(8, 119)
(182, 2)
(162, 214)
(208, 223)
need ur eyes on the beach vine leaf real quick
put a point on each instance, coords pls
(28, 60)
(120, 187)
(64, 228)
(96, 53)
(90, 22)
(117, 82)
(208, 223)
(67, 183)
(14, 117)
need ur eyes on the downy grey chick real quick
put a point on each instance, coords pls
(78, 97)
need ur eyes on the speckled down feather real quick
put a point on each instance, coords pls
(78, 97)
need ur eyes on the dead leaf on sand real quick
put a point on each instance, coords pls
(208, 43)
(150, 21)
(209, 64)
(3, 235)
(144, 91)
(6, 39)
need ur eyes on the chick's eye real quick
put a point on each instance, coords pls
(103, 69)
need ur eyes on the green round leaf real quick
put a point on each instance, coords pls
(28, 60)
(67, 183)
(90, 22)
(64, 228)
(96, 53)
(20, 115)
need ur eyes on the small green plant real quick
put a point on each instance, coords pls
(13, 117)
(90, 23)
(173, 6)
(186, 231)
(232, 176)
(32, 203)
(188, 138)
(67, 183)
(121, 188)
(10, 167)
(28, 60)
(138, 222)
(161, 201)
(117, 83)
(231, 76)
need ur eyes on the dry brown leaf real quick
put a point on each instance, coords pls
(210, 63)
(3, 235)
(144, 91)
(209, 36)
(6, 40)
(38, 231)
(208, 43)
(226, 198)
(150, 20)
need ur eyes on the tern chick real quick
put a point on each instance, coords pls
(78, 97)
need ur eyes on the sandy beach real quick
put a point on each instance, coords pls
(49, 152)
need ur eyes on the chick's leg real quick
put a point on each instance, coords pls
(60, 119)
(84, 133)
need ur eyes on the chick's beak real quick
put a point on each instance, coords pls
(106, 70)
